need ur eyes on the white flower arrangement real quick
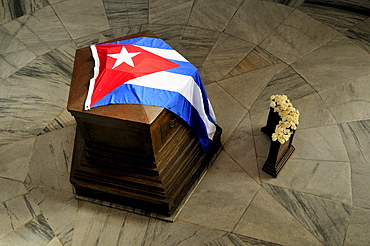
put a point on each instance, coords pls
(289, 117)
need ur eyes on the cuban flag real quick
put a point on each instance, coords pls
(148, 71)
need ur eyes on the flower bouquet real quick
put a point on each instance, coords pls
(281, 125)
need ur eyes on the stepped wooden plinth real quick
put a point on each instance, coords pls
(141, 156)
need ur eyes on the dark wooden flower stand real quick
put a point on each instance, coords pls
(278, 153)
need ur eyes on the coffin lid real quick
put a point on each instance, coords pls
(83, 72)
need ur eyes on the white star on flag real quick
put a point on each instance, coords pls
(123, 57)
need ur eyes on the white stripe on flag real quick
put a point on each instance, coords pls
(168, 54)
(185, 85)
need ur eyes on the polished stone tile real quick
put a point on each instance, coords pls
(292, 3)
(360, 184)
(331, 180)
(356, 137)
(127, 13)
(339, 14)
(100, 225)
(35, 233)
(61, 59)
(257, 58)
(229, 239)
(170, 12)
(268, 220)
(28, 81)
(360, 34)
(184, 234)
(33, 32)
(206, 13)
(14, 54)
(240, 147)
(54, 242)
(249, 241)
(285, 82)
(13, 9)
(16, 212)
(229, 112)
(336, 62)
(13, 129)
(94, 39)
(246, 87)
(220, 206)
(22, 103)
(15, 159)
(321, 143)
(196, 44)
(59, 209)
(82, 18)
(13, 189)
(255, 20)
(358, 232)
(224, 56)
(63, 120)
(313, 112)
(349, 101)
(326, 219)
(51, 160)
(297, 36)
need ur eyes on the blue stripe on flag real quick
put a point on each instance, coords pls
(173, 101)
(145, 41)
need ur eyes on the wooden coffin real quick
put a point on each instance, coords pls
(137, 155)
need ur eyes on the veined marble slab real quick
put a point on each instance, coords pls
(285, 82)
(225, 54)
(13, 129)
(326, 179)
(35, 233)
(360, 184)
(240, 147)
(337, 62)
(257, 58)
(15, 159)
(60, 210)
(360, 34)
(13, 189)
(297, 36)
(174, 12)
(340, 14)
(326, 219)
(13, 54)
(356, 137)
(40, 80)
(349, 101)
(51, 160)
(183, 234)
(82, 18)
(358, 232)
(268, 220)
(246, 87)
(292, 3)
(196, 44)
(11, 9)
(63, 120)
(39, 37)
(206, 13)
(16, 212)
(255, 20)
(127, 13)
(220, 206)
(100, 225)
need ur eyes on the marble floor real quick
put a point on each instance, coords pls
(316, 52)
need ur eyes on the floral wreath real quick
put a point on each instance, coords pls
(289, 117)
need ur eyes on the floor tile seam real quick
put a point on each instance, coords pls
(259, 181)
(204, 226)
(25, 65)
(245, 210)
(243, 168)
(17, 196)
(232, 16)
(20, 226)
(240, 104)
(333, 161)
(31, 187)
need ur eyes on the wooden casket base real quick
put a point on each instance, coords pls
(102, 175)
